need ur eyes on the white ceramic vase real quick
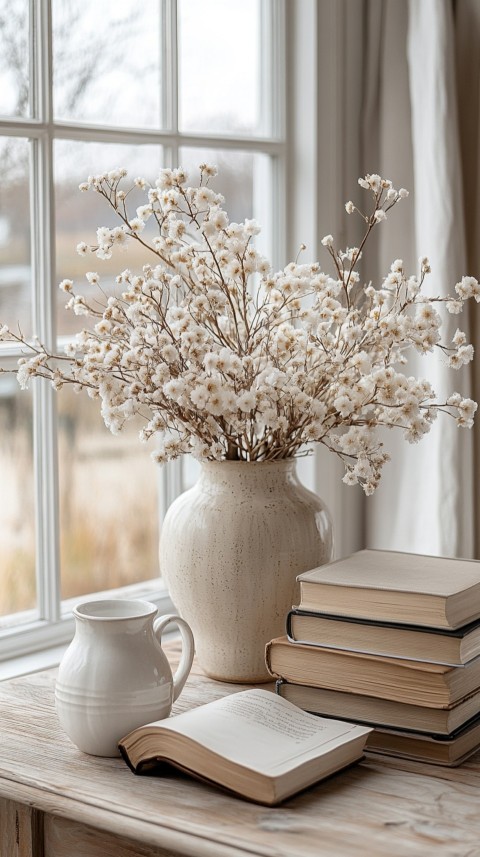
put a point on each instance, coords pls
(230, 550)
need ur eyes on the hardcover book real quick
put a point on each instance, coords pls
(395, 587)
(434, 749)
(372, 711)
(388, 639)
(415, 682)
(252, 742)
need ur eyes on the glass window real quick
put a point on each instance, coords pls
(107, 62)
(14, 58)
(17, 510)
(115, 82)
(108, 501)
(219, 66)
(15, 270)
(79, 214)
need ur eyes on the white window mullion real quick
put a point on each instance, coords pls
(170, 82)
(277, 92)
(272, 69)
(170, 66)
(43, 268)
(171, 481)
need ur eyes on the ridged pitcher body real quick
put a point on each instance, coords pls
(115, 676)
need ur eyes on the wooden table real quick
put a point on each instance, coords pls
(57, 802)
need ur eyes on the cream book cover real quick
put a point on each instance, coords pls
(395, 587)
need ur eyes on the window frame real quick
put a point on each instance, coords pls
(51, 623)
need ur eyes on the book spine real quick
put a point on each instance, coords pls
(268, 664)
(288, 625)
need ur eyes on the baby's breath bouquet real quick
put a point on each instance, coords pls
(226, 359)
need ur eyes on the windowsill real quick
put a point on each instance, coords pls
(32, 663)
(38, 645)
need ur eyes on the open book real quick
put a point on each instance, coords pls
(252, 742)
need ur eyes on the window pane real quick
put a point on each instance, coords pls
(245, 180)
(78, 215)
(219, 66)
(14, 58)
(15, 271)
(234, 179)
(17, 527)
(108, 501)
(106, 62)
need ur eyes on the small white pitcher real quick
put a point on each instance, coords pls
(115, 676)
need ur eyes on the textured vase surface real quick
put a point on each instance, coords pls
(230, 550)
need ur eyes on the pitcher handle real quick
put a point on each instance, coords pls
(188, 649)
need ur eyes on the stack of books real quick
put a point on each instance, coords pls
(389, 640)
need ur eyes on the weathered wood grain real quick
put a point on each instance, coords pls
(381, 807)
(64, 838)
(21, 830)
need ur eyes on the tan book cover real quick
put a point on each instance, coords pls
(415, 682)
(366, 636)
(374, 711)
(395, 587)
(424, 748)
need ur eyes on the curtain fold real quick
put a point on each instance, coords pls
(467, 54)
(425, 500)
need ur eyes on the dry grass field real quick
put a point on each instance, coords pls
(108, 503)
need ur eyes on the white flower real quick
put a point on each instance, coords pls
(66, 285)
(327, 241)
(247, 401)
(252, 227)
(174, 389)
(80, 306)
(199, 396)
(137, 225)
(459, 337)
(215, 404)
(454, 307)
(349, 207)
(82, 249)
(380, 215)
(144, 212)
(209, 170)
(468, 287)
(374, 181)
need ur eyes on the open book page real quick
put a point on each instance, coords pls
(262, 731)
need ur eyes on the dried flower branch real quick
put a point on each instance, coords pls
(226, 359)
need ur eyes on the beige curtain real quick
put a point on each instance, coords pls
(467, 56)
(409, 132)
